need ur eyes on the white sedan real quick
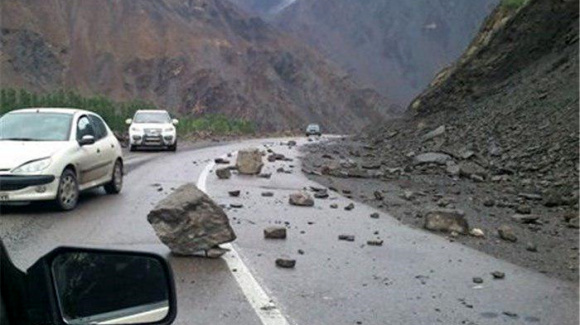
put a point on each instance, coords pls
(54, 153)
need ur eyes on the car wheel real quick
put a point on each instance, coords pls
(132, 148)
(67, 196)
(116, 183)
(173, 147)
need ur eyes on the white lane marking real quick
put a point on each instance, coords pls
(263, 305)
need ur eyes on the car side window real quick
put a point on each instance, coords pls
(84, 127)
(99, 126)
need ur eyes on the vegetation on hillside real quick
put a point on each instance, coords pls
(513, 4)
(115, 113)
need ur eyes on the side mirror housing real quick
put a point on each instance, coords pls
(129, 121)
(175, 121)
(86, 140)
(93, 286)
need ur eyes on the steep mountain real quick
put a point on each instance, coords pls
(508, 107)
(195, 56)
(394, 46)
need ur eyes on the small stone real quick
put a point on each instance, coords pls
(375, 243)
(215, 252)
(408, 195)
(431, 158)
(265, 175)
(489, 203)
(531, 196)
(523, 209)
(346, 237)
(301, 252)
(349, 207)
(375, 215)
(446, 220)
(221, 161)
(275, 233)
(234, 193)
(378, 195)
(301, 199)
(285, 263)
(321, 195)
(510, 314)
(236, 205)
(498, 275)
(525, 218)
(223, 173)
(334, 206)
(574, 223)
(531, 247)
(477, 280)
(476, 232)
(505, 232)
(267, 194)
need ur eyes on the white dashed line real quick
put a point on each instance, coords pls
(263, 305)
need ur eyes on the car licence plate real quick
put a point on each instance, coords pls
(4, 197)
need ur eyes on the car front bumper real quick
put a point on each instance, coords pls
(159, 140)
(16, 188)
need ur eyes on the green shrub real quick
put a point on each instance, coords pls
(115, 113)
(513, 4)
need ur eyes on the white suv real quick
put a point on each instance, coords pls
(152, 128)
(54, 153)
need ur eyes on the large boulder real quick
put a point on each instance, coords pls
(189, 222)
(249, 161)
(446, 220)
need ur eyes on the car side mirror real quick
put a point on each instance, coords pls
(91, 286)
(175, 121)
(129, 121)
(86, 140)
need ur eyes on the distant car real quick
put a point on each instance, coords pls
(54, 153)
(313, 129)
(152, 128)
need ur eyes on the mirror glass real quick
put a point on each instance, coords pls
(109, 288)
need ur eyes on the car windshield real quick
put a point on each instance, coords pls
(150, 117)
(35, 126)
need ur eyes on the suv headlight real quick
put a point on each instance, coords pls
(169, 130)
(33, 166)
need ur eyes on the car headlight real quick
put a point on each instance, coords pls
(33, 166)
(135, 129)
(169, 130)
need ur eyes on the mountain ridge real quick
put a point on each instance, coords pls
(193, 57)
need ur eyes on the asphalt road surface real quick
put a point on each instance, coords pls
(414, 278)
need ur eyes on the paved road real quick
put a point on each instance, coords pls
(414, 278)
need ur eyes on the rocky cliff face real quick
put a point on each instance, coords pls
(194, 56)
(509, 106)
(394, 46)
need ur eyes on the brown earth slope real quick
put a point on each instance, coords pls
(500, 130)
(195, 56)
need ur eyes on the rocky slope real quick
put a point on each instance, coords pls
(195, 56)
(495, 135)
(394, 46)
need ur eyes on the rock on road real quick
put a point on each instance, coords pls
(414, 277)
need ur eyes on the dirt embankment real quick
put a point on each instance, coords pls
(496, 135)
